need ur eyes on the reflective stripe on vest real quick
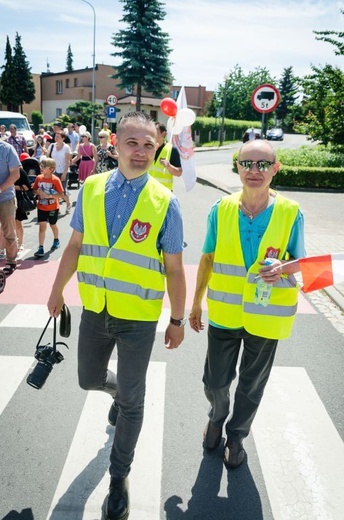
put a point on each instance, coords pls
(231, 288)
(158, 171)
(128, 277)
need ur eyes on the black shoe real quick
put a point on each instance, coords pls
(117, 506)
(234, 454)
(212, 436)
(113, 413)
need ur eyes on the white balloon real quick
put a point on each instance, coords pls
(174, 126)
(186, 116)
(82, 129)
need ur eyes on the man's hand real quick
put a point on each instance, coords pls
(195, 318)
(55, 304)
(173, 336)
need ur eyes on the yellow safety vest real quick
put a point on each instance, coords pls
(231, 287)
(158, 171)
(128, 277)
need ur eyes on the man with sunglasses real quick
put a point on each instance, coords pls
(244, 230)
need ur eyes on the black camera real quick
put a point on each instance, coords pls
(47, 357)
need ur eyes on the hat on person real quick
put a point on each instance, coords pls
(24, 156)
(57, 123)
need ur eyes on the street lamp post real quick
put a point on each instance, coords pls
(93, 64)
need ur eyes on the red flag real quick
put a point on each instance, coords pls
(321, 271)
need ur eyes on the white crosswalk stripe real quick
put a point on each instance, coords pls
(300, 452)
(85, 480)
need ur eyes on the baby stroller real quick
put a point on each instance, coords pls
(32, 168)
(73, 175)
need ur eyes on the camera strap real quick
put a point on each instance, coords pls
(54, 335)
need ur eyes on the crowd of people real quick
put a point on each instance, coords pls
(129, 246)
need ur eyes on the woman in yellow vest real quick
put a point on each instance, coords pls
(166, 163)
(250, 304)
(126, 244)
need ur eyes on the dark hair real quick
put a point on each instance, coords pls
(161, 127)
(139, 118)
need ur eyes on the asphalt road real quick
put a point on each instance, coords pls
(55, 442)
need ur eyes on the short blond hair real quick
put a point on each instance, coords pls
(48, 162)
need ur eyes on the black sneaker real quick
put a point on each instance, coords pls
(40, 252)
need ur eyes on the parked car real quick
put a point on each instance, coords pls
(257, 132)
(275, 134)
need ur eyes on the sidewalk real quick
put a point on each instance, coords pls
(323, 211)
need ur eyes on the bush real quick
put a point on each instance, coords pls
(207, 129)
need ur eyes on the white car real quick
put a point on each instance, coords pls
(22, 124)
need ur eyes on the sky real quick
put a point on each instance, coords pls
(208, 38)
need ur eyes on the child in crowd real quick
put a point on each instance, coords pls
(49, 189)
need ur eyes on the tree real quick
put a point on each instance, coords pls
(7, 77)
(37, 119)
(323, 104)
(23, 89)
(289, 90)
(82, 111)
(327, 36)
(144, 49)
(69, 62)
(233, 97)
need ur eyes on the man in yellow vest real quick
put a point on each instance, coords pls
(250, 304)
(167, 163)
(127, 240)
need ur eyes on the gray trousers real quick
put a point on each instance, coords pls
(98, 335)
(220, 371)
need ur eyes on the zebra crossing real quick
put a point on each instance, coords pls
(299, 451)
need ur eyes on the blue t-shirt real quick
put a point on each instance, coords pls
(8, 160)
(251, 232)
(121, 196)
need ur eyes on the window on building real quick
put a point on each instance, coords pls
(129, 90)
(67, 83)
(174, 94)
(76, 82)
(154, 115)
(58, 112)
(59, 86)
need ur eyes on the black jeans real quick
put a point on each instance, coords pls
(220, 371)
(98, 335)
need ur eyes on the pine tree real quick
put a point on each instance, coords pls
(288, 88)
(6, 84)
(24, 91)
(144, 49)
(69, 62)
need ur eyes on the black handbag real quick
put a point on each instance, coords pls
(27, 201)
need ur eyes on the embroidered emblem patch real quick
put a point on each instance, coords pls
(271, 252)
(139, 231)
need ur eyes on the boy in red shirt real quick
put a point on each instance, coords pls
(49, 189)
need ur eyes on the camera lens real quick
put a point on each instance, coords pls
(39, 375)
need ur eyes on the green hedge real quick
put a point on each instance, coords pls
(308, 177)
(206, 129)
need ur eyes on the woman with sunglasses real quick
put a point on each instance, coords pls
(87, 154)
(107, 154)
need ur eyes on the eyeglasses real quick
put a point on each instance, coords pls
(262, 166)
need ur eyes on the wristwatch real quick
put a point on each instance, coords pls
(178, 323)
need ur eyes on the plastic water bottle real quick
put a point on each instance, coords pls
(263, 289)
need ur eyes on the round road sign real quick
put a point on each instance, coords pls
(111, 100)
(265, 98)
